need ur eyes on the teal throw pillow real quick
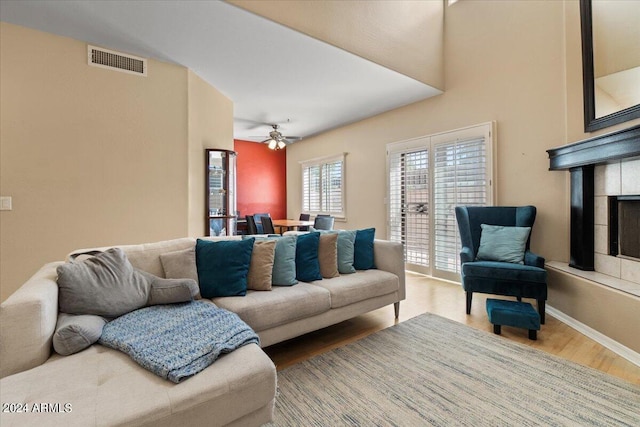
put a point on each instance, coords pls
(223, 267)
(505, 244)
(346, 241)
(307, 264)
(284, 262)
(363, 249)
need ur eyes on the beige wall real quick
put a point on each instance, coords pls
(91, 156)
(210, 126)
(503, 63)
(405, 36)
(518, 63)
(609, 311)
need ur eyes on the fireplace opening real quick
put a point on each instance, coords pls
(624, 226)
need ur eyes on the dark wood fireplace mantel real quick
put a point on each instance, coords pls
(580, 159)
(598, 150)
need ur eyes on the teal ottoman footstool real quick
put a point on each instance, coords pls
(513, 313)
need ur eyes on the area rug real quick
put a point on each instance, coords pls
(433, 371)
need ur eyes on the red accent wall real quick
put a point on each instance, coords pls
(261, 184)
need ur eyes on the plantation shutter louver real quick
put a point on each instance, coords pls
(323, 186)
(409, 203)
(332, 187)
(311, 188)
(427, 178)
(460, 178)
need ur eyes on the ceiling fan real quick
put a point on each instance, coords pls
(277, 141)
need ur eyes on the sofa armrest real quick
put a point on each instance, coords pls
(389, 256)
(28, 318)
(533, 260)
(466, 255)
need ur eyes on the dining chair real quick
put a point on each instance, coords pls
(251, 225)
(258, 220)
(267, 225)
(324, 222)
(304, 217)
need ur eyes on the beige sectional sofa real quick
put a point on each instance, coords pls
(104, 387)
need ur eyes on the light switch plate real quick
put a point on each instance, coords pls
(5, 203)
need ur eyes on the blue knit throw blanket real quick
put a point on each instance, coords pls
(179, 340)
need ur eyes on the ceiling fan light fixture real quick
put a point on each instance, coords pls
(272, 144)
(281, 145)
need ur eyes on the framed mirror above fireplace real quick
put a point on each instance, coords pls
(610, 62)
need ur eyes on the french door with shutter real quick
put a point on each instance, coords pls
(427, 178)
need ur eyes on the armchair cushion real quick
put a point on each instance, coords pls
(500, 243)
(496, 270)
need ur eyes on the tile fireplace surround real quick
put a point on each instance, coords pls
(600, 167)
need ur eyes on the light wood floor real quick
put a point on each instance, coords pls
(425, 294)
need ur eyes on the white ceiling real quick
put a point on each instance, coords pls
(271, 73)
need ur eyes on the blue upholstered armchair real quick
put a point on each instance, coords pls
(526, 280)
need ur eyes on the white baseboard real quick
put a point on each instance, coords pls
(598, 337)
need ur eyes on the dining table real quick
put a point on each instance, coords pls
(290, 224)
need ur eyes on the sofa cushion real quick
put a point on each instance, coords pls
(104, 387)
(363, 249)
(147, 256)
(223, 267)
(180, 264)
(284, 260)
(75, 333)
(328, 255)
(353, 288)
(307, 265)
(346, 242)
(284, 304)
(261, 266)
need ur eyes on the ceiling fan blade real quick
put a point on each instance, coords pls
(292, 139)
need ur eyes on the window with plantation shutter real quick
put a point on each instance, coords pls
(427, 178)
(409, 204)
(323, 186)
(459, 178)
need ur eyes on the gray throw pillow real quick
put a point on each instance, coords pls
(108, 285)
(75, 333)
(170, 291)
(105, 285)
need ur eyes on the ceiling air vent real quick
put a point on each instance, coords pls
(117, 61)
